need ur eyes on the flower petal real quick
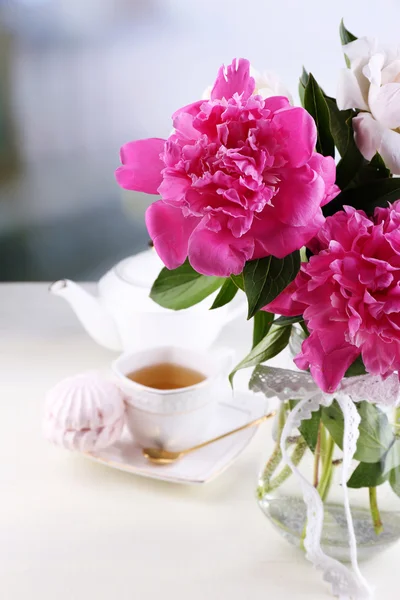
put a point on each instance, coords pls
(274, 103)
(326, 168)
(218, 253)
(328, 356)
(183, 125)
(233, 79)
(298, 134)
(276, 238)
(306, 187)
(385, 105)
(142, 166)
(182, 120)
(390, 150)
(170, 232)
(368, 134)
(391, 73)
(372, 137)
(268, 84)
(373, 70)
(191, 109)
(361, 49)
(349, 93)
(284, 304)
(174, 187)
(359, 52)
(380, 358)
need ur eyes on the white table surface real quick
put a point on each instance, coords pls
(71, 529)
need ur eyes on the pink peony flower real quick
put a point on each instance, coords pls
(238, 178)
(349, 294)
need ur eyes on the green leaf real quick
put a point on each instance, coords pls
(227, 292)
(304, 328)
(182, 287)
(352, 160)
(283, 321)
(342, 131)
(366, 197)
(357, 368)
(345, 36)
(364, 172)
(266, 278)
(373, 170)
(375, 436)
(272, 344)
(238, 281)
(262, 322)
(315, 104)
(349, 165)
(352, 169)
(304, 77)
(378, 164)
(367, 475)
(394, 480)
(309, 429)
(392, 458)
(302, 85)
(340, 125)
(332, 418)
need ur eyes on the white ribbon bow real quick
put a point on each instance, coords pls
(286, 384)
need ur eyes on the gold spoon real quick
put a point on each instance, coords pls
(165, 457)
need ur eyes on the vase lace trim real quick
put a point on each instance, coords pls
(286, 384)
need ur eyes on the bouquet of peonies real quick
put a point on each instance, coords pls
(299, 209)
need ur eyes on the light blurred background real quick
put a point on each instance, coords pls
(78, 78)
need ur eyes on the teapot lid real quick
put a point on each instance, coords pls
(132, 279)
(141, 269)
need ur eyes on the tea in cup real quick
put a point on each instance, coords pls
(166, 376)
(171, 393)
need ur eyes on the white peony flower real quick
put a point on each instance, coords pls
(267, 84)
(372, 85)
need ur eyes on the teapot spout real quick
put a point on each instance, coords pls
(93, 316)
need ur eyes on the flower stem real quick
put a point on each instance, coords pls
(276, 456)
(317, 457)
(267, 484)
(270, 468)
(327, 469)
(281, 421)
(397, 421)
(286, 472)
(375, 514)
(327, 447)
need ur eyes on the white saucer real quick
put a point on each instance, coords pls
(203, 465)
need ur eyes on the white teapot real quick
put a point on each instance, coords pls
(124, 317)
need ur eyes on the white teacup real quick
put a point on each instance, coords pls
(179, 418)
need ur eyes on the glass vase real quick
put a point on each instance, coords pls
(375, 505)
